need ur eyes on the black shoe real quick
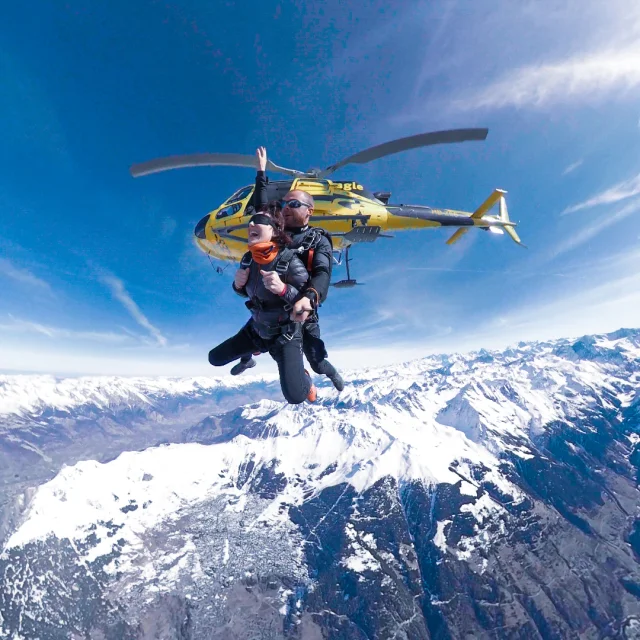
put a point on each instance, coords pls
(337, 380)
(243, 365)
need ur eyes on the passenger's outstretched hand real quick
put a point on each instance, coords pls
(272, 282)
(261, 154)
(241, 278)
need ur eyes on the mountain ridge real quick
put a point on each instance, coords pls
(439, 498)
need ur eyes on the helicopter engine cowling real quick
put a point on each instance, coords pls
(383, 196)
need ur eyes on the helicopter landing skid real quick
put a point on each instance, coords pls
(349, 282)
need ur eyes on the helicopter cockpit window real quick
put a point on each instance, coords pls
(241, 194)
(200, 228)
(229, 210)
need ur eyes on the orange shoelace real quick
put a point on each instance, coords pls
(264, 252)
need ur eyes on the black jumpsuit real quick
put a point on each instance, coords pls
(270, 329)
(320, 278)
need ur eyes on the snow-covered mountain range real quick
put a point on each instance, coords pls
(47, 422)
(483, 495)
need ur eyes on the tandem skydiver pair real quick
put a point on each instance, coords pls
(286, 275)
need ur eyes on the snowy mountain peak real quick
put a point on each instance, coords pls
(35, 394)
(417, 484)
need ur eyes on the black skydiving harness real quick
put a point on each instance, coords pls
(282, 332)
(286, 331)
(282, 265)
(309, 242)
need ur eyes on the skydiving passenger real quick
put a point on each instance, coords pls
(272, 282)
(315, 250)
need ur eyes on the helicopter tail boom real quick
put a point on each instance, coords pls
(500, 224)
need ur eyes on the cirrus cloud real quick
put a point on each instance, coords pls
(120, 293)
(19, 274)
(577, 78)
(621, 191)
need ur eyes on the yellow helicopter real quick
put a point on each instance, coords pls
(349, 211)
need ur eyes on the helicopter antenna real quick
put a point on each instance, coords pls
(218, 270)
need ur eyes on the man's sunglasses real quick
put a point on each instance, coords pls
(293, 204)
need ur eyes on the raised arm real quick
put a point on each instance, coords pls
(260, 192)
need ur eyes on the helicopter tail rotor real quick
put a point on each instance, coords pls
(500, 224)
(508, 225)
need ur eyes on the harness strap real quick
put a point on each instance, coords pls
(310, 260)
(287, 329)
(309, 240)
(282, 265)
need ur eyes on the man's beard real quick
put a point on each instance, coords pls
(294, 219)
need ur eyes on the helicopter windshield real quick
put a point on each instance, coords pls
(229, 210)
(241, 194)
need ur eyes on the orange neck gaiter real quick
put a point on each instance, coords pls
(264, 252)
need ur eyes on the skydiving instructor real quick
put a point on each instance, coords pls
(315, 250)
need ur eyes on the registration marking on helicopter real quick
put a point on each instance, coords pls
(348, 186)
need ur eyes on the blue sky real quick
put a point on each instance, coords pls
(99, 273)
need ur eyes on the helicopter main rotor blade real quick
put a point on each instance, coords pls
(204, 160)
(404, 144)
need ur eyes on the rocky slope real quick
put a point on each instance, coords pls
(487, 495)
(47, 422)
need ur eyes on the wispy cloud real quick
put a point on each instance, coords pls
(621, 191)
(120, 293)
(612, 302)
(19, 325)
(546, 274)
(572, 167)
(596, 227)
(10, 270)
(542, 55)
(168, 226)
(578, 78)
